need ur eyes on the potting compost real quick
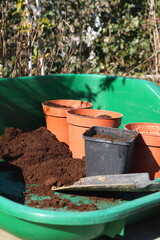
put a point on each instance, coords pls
(107, 136)
(52, 104)
(40, 161)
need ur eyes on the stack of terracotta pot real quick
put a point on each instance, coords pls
(69, 119)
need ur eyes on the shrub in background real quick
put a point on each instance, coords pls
(117, 37)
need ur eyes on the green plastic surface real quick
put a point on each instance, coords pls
(21, 98)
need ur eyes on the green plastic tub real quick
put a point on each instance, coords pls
(20, 106)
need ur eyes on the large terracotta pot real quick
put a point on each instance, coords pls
(55, 115)
(146, 155)
(82, 119)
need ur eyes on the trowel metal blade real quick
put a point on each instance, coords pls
(120, 182)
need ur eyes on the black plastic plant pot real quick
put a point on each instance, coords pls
(108, 150)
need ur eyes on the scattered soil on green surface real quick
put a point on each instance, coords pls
(58, 201)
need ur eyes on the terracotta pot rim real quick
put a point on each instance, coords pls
(65, 100)
(71, 112)
(143, 124)
(152, 134)
(74, 118)
(61, 111)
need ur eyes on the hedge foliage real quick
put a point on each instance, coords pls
(82, 36)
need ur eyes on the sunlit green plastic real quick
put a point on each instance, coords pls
(138, 100)
(21, 98)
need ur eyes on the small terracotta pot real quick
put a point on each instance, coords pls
(146, 154)
(55, 115)
(82, 119)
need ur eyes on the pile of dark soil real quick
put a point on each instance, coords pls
(41, 158)
(29, 148)
(40, 161)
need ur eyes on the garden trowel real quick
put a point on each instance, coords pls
(117, 182)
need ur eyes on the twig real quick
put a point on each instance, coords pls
(122, 64)
(131, 70)
(156, 37)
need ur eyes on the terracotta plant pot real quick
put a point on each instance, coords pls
(55, 115)
(146, 155)
(82, 119)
